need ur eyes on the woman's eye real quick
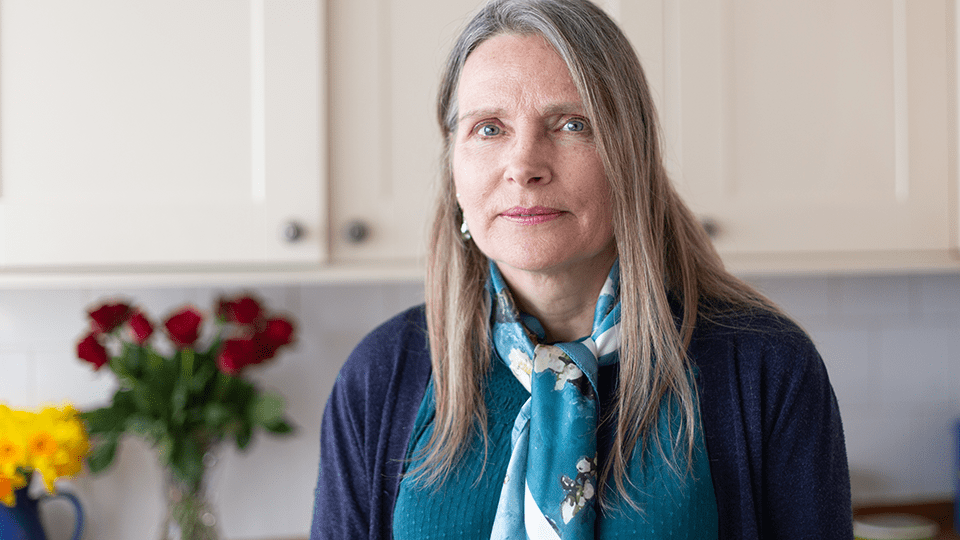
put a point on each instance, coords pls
(489, 130)
(575, 124)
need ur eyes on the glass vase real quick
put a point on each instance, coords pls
(190, 512)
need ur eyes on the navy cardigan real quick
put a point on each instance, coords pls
(771, 421)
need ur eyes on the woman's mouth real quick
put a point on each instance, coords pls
(531, 216)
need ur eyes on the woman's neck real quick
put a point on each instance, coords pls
(563, 302)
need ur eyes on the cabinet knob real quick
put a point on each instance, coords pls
(712, 226)
(293, 231)
(356, 231)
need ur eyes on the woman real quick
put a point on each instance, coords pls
(583, 366)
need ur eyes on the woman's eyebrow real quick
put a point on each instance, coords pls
(476, 113)
(567, 107)
(549, 110)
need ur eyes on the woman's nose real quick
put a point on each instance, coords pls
(529, 160)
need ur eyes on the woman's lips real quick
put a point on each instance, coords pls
(531, 216)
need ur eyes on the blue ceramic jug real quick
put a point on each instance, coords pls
(22, 521)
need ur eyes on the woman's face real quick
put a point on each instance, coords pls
(528, 176)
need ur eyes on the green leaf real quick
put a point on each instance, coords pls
(190, 462)
(123, 402)
(202, 377)
(132, 359)
(104, 420)
(165, 449)
(265, 409)
(280, 428)
(244, 434)
(151, 399)
(178, 401)
(118, 366)
(101, 456)
(216, 415)
(148, 428)
(155, 364)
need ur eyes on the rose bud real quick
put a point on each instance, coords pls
(277, 332)
(92, 351)
(235, 355)
(108, 317)
(141, 328)
(243, 310)
(183, 327)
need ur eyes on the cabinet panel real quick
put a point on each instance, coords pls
(182, 132)
(814, 126)
(385, 143)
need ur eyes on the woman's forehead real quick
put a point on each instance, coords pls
(510, 71)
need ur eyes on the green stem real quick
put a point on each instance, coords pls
(194, 517)
(186, 366)
(223, 381)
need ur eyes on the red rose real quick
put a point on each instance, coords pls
(141, 327)
(277, 332)
(92, 351)
(235, 355)
(183, 327)
(243, 310)
(108, 317)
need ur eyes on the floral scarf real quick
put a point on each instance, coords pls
(549, 491)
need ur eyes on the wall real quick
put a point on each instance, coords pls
(891, 344)
(892, 349)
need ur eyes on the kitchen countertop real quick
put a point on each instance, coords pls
(940, 511)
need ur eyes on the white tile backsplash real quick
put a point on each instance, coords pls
(852, 357)
(891, 345)
(879, 446)
(874, 296)
(939, 294)
(30, 317)
(61, 376)
(915, 365)
(18, 386)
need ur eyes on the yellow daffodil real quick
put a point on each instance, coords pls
(13, 452)
(9, 487)
(51, 442)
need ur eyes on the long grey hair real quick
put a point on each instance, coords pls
(663, 250)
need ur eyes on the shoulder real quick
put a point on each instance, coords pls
(392, 346)
(388, 370)
(751, 339)
(380, 386)
(761, 363)
(762, 367)
(366, 426)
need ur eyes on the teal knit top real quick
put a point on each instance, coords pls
(675, 502)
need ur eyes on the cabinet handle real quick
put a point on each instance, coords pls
(293, 231)
(356, 231)
(712, 227)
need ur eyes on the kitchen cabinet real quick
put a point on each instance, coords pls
(165, 135)
(385, 63)
(815, 135)
(297, 139)
(810, 136)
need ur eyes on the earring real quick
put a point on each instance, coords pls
(465, 231)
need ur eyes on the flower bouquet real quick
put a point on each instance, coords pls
(51, 442)
(186, 394)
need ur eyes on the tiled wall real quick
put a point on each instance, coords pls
(891, 344)
(892, 348)
(265, 493)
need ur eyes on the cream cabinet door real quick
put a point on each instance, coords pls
(814, 130)
(161, 133)
(385, 62)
